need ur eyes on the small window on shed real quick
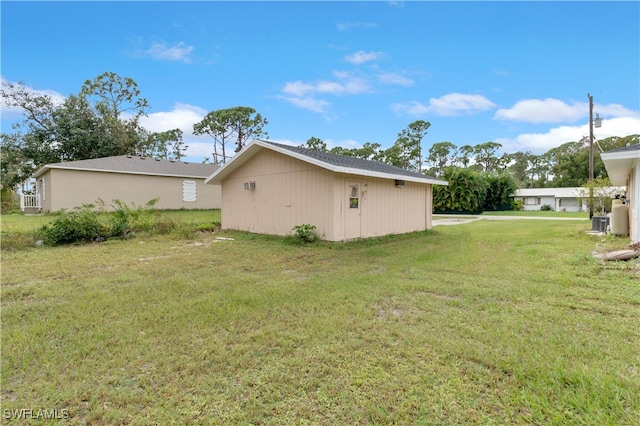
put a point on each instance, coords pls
(354, 198)
(189, 193)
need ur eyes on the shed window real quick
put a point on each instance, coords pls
(354, 197)
(189, 193)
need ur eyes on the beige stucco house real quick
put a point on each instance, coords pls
(623, 168)
(130, 179)
(269, 188)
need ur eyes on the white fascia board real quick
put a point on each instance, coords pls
(350, 170)
(621, 155)
(86, 169)
(256, 145)
(237, 160)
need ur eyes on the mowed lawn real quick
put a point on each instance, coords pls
(490, 322)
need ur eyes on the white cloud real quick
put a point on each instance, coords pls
(198, 150)
(305, 95)
(542, 142)
(555, 111)
(162, 51)
(543, 111)
(182, 116)
(307, 102)
(410, 108)
(361, 57)
(395, 79)
(448, 105)
(345, 84)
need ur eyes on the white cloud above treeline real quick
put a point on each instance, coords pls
(551, 110)
(451, 104)
(361, 57)
(542, 142)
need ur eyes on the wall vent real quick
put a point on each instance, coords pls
(399, 183)
(250, 185)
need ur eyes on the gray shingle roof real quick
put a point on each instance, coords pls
(635, 147)
(334, 162)
(137, 165)
(351, 162)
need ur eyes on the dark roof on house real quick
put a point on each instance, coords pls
(629, 148)
(618, 162)
(350, 162)
(131, 164)
(329, 161)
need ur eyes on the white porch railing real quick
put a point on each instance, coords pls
(30, 201)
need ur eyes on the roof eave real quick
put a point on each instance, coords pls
(86, 169)
(256, 145)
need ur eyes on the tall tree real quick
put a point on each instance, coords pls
(79, 133)
(15, 168)
(36, 132)
(463, 157)
(101, 121)
(486, 156)
(406, 152)
(117, 100)
(441, 155)
(518, 164)
(166, 145)
(236, 125)
(316, 144)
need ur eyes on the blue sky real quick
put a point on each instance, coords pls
(517, 73)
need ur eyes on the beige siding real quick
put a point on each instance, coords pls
(387, 209)
(288, 192)
(66, 189)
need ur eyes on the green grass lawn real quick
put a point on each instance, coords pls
(538, 213)
(31, 223)
(482, 323)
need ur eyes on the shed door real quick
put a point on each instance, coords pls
(352, 216)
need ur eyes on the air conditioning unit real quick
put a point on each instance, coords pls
(250, 185)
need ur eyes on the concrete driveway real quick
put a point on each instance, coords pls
(457, 220)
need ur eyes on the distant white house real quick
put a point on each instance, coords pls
(559, 199)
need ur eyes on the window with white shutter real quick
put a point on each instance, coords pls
(189, 193)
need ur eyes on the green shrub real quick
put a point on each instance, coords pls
(305, 233)
(80, 225)
(518, 205)
(125, 219)
(546, 208)
(90, 223)
(208, 227)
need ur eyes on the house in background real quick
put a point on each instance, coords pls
(560, 199)
(126, 178)
(623, 168)
(269, 188)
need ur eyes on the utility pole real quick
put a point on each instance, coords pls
(590, 156)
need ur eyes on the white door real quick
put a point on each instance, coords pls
(352, 215)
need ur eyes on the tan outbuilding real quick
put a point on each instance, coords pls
(130, 179)
(269, 188)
